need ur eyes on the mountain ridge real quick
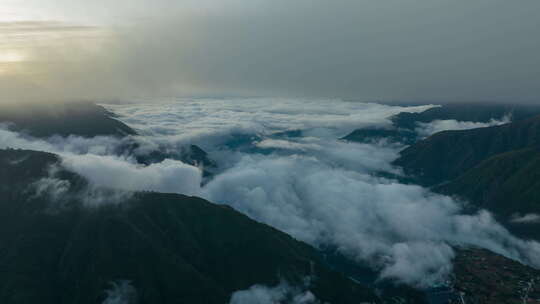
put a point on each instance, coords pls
(445, 155)
(80, 119)
(158, 242)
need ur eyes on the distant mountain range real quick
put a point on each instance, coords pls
(405, 124)
(477, 112)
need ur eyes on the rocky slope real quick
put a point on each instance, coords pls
(484, 277)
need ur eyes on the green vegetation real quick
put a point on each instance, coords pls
(507, 183)
(449, 154)
(372, 135)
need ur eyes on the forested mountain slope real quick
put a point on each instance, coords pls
(448, 154)
(170, 248)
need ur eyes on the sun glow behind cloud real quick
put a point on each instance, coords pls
(9, 60)
(26, 40)
(11, 56)
(46, 61)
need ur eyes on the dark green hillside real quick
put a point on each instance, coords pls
(449, 154)
(496, 168)
(506, 183)
(372, 135)
(45, 120)
(191, 154)
(172, 248)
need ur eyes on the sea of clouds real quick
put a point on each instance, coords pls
(321, 190)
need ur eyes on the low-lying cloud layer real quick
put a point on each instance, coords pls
(282, 164)
(95, 159)
(430, 128)
(529, 218)
(404, 229)
(121, 292)
(209, 122)
(107, 171)
(282, 293)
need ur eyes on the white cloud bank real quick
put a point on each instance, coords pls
(92, 158)
(318, 189)
(323, 191)
(529, 218)
(168, 176)
(121, 292)
(430, 128)
(404, 230)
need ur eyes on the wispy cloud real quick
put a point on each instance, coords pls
(530, 218)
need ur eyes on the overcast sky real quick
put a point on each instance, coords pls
(431, 50)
